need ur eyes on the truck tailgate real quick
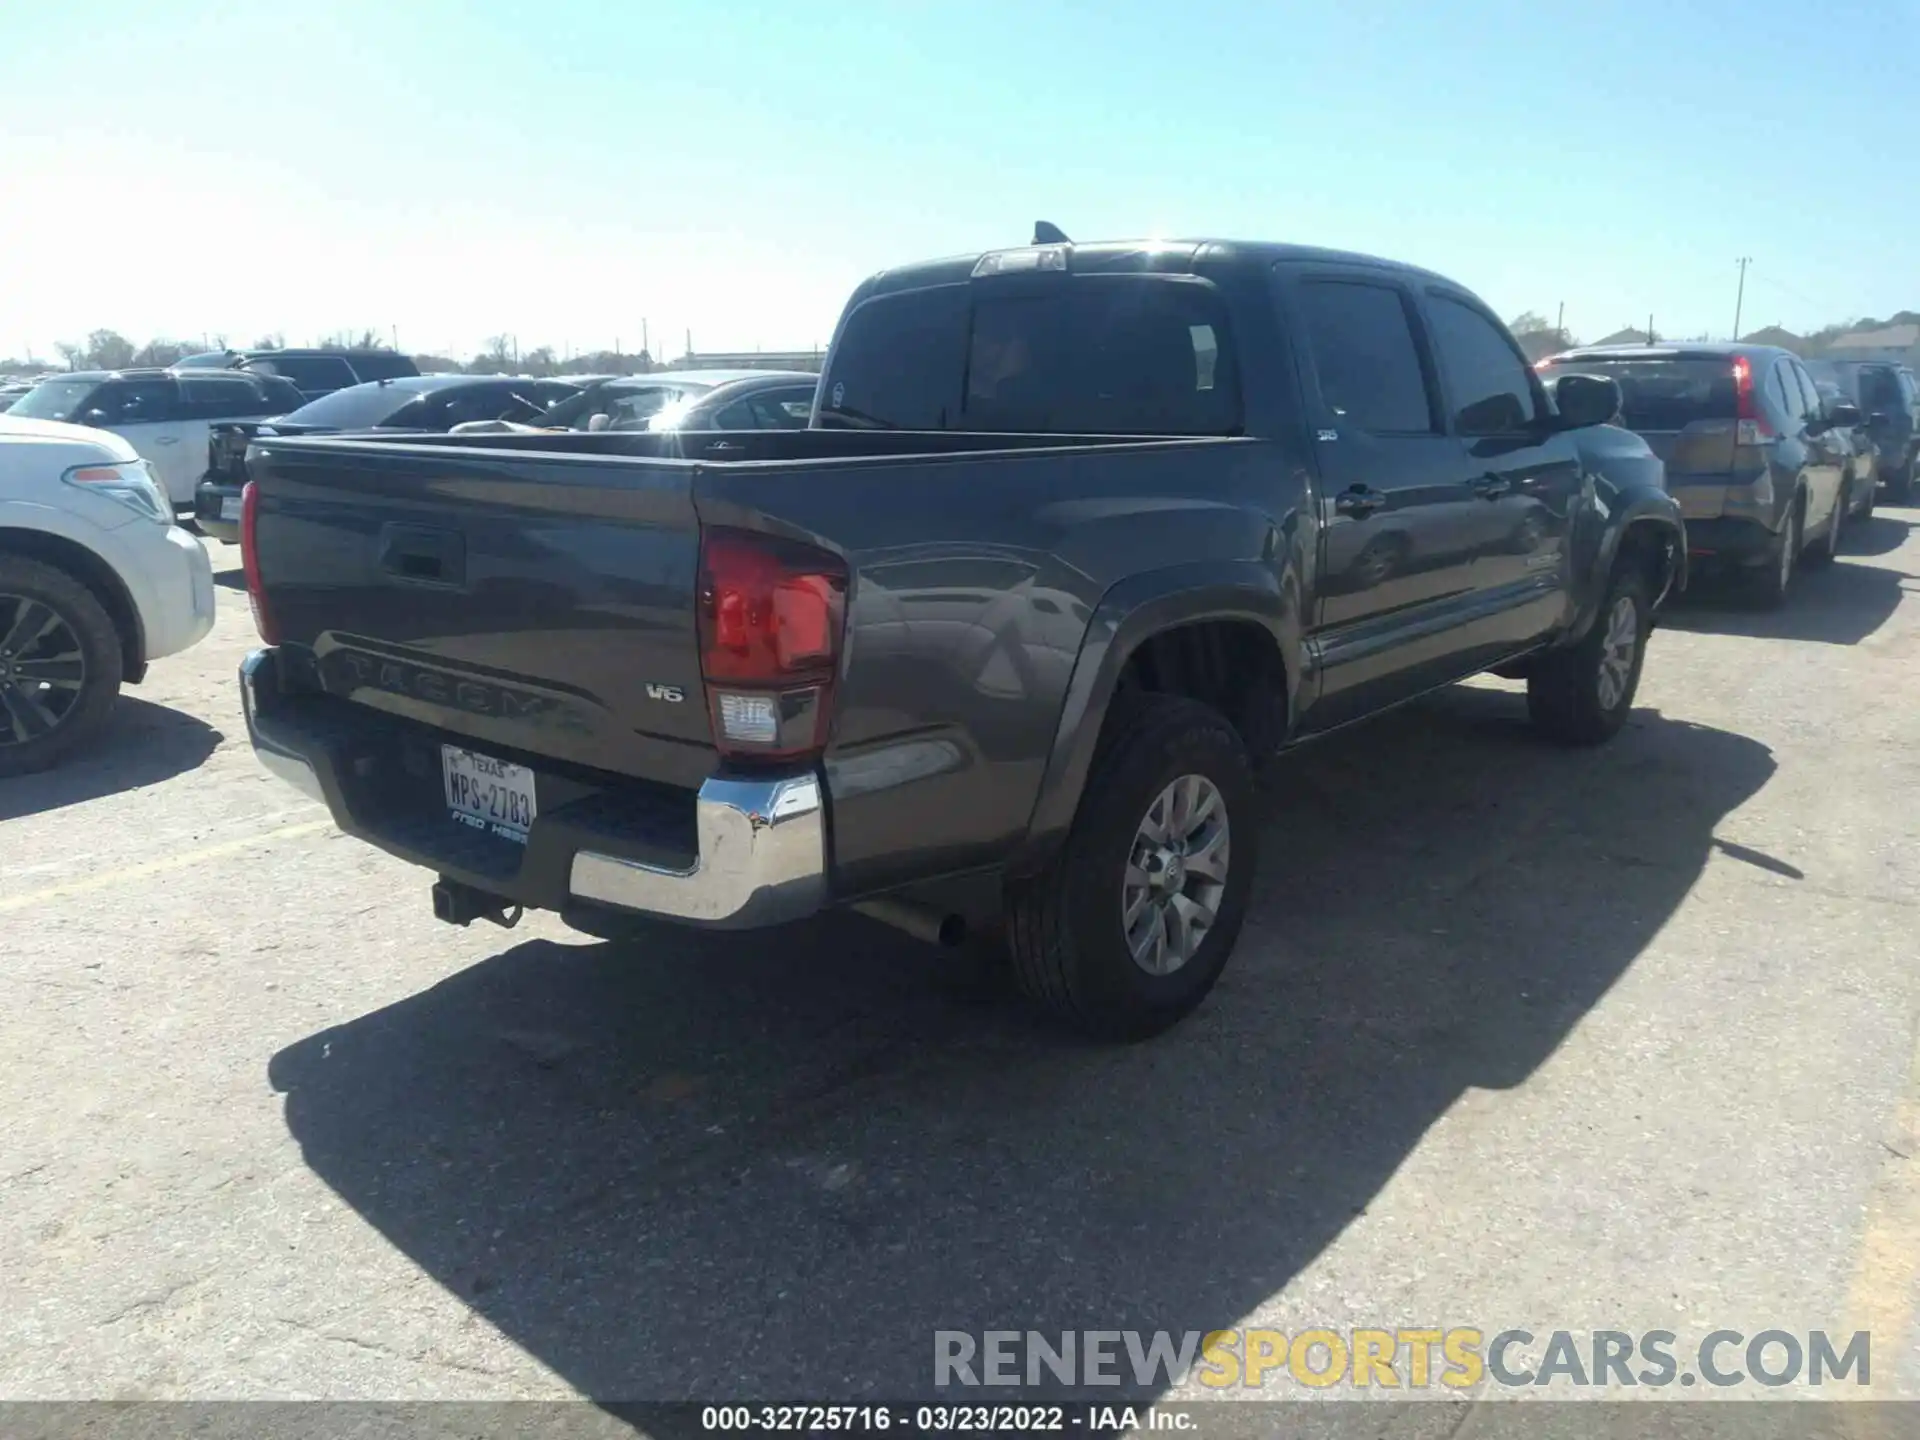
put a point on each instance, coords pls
(541, 604)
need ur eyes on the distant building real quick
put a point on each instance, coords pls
(806, 361)
(1900, 343)
(1624, 337)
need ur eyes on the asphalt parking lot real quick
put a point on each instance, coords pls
(1515, 1037)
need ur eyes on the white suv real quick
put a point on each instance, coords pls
(95, 581)
(165, 415)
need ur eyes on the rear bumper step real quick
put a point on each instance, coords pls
(739, 854)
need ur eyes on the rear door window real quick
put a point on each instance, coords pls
(1094, 355)
(1488, 382)
(1364, 354)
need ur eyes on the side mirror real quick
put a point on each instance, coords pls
(1843, 415)
(95, 416)
(1584, 400)
(599, 421)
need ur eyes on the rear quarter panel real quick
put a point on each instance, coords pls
(976, 581)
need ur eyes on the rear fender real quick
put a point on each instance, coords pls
(1130, 614)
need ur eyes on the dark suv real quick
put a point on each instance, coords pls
(313, 372)
(1756, 459)
(1886, 395)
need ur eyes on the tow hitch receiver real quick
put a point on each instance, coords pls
(459, 904)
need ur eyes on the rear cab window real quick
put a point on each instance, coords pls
(1087, 355)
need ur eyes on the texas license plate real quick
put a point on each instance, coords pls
(488, 794)
(229, 507)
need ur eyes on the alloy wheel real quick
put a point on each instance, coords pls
(1617, 650)
(1176, 874)
(43, 669)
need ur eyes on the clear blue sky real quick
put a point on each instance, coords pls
(565, 171)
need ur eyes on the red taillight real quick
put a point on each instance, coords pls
(250, 564)
(1752, 427)
(772, 614)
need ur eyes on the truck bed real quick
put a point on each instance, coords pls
(535, 594)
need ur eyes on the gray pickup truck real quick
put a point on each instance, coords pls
(1077, 537)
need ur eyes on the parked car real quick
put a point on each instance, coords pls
(414, 402)
(762, 402)
(631, 401)
(1861, 472)
(10, 393)
(1021, 611)
(1887, 396)
(165, 415)
(1757, 463)
(96, 581)
(313, 372)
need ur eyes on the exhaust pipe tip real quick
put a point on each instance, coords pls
(944, 928)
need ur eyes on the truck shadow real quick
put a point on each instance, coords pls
(142, 744)
(1842, 605)
(773, 1165)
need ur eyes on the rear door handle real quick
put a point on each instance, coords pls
(1358, 501)
(1492, 487)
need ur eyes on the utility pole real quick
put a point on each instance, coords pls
(1649, 327)
(1560, 323)
(396, 338)
(1740, 295)
(646, 347)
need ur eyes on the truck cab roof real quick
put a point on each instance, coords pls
(1175, 257)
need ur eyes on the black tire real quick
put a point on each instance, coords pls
(1773, 581)
(1869, 493)
(1828, 550)
(1066, 930)
(51, 702)
(1567, 697)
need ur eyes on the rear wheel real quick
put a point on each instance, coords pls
(59, 665)
(1583, 695)
(1130, 926)
(1774, 580)
(1828, 550)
